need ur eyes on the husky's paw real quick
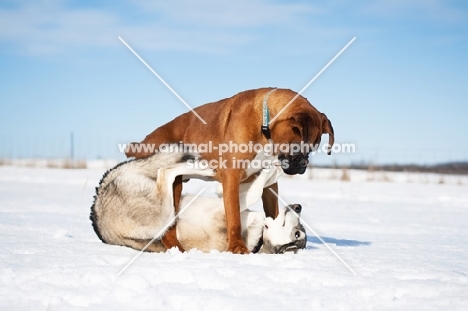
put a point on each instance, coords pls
(198, 168)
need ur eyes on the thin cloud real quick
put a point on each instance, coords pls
(39, 29)
(53, 27)
(232, 14)
(434, 10)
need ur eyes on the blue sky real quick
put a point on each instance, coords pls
(399, 92)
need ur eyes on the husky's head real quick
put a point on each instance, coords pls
(285, 233)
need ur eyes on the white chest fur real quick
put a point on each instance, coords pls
(250, 193)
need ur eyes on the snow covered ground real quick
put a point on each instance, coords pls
(404, 234)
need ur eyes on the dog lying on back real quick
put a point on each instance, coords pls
(134, 203)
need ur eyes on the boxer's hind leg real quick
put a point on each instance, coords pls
(169, 182)
(169, 240)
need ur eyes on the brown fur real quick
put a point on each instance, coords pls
(238, 119)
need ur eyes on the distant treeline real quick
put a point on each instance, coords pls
(457, 168)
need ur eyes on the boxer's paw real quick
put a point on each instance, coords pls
(238, 249)
(169, 240)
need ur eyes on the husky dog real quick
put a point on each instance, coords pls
(134, 204)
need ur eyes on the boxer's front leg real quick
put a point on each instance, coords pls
(169, 240)
(270, 200)
(230, 180)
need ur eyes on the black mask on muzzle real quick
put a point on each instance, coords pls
(294, 164)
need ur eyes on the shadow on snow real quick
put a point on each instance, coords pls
(337, 242)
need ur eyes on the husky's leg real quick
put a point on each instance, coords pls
(252, 192)
(169, 181)
(170, 177)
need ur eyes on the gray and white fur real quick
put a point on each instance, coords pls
(134, 202)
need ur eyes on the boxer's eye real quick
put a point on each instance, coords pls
(296, 131)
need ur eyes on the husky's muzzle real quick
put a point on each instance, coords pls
(299, 243)
(298, 236)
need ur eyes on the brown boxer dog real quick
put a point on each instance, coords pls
(241, 119)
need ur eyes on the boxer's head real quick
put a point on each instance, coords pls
(299, 131)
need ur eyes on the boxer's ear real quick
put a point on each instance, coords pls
(327, 128)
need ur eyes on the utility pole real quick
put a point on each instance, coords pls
(72, 146)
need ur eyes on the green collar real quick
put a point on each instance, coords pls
(266, 116)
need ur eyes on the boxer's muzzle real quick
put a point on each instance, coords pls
(294, 164)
